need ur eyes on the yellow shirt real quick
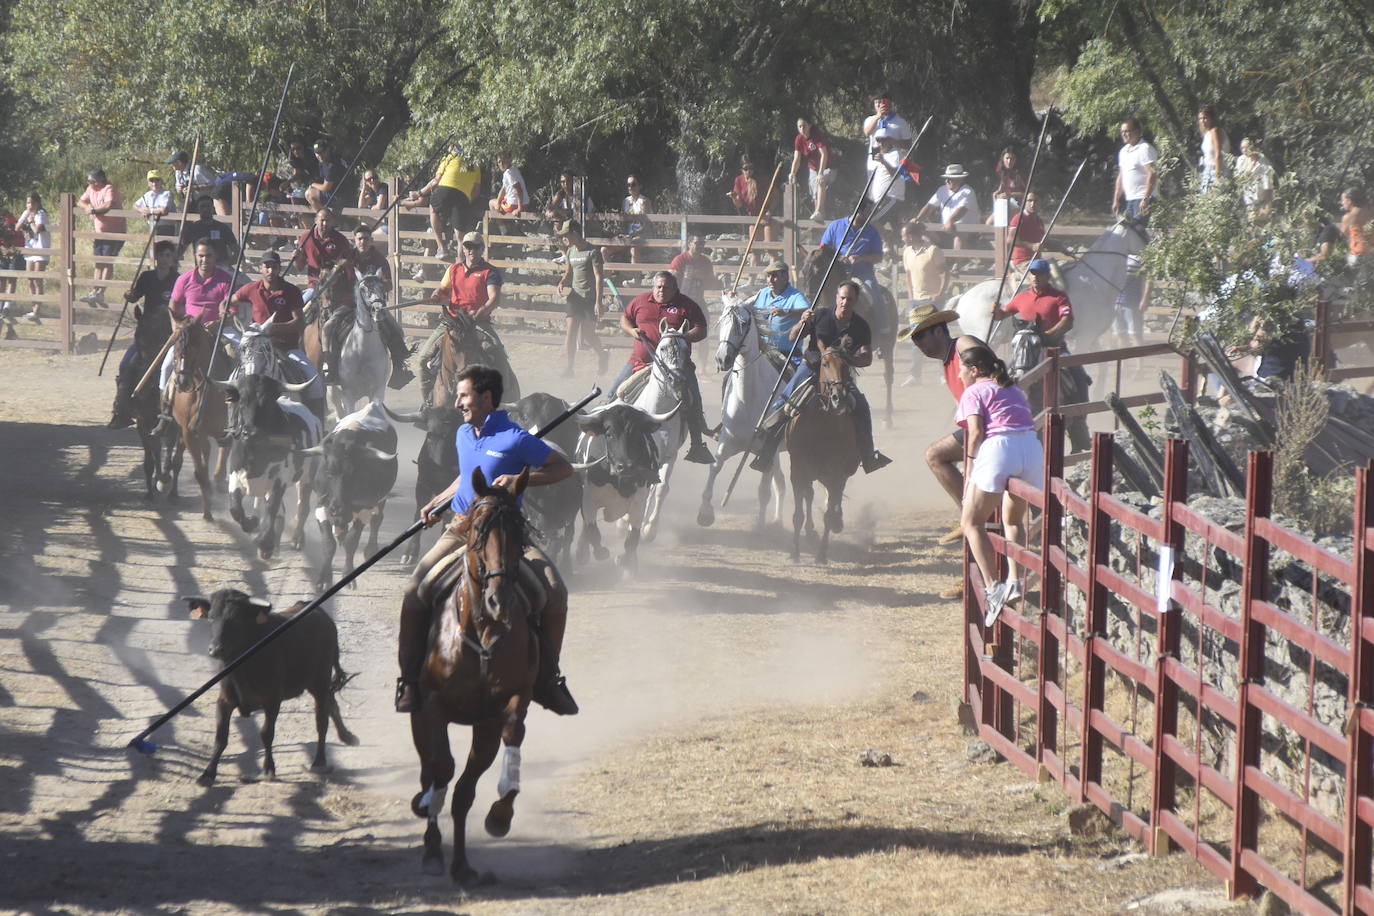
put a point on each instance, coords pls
(453, 173)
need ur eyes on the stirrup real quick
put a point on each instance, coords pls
(407, 695)
(699, 454)
(401, 376)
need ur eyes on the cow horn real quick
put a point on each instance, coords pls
(315, 451)
(380, 455)
(297, 387)
(660, 418)
(586, 466)
(268, 323)
(416, 418)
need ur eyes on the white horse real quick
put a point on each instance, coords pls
(750, 380)
(364, 363)
(665, 390)
(1094, 280)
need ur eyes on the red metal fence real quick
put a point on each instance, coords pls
(1122, 694)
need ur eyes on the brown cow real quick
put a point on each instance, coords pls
(305, 658)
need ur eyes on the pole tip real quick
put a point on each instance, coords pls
(143, 746)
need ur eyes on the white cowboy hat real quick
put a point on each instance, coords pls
(954, 170)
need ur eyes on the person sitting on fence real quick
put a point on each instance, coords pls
(1001, 442)
(747, 196)
(155, 204)
(370, 258)
(843, 327)
(206, 228)
(471, 285)
(199, 185)
(154, 288)
(955, 201)
(513, 197)
(630, 238)
(569, 201)
(331, 172)
(373, 194)
(99, 198)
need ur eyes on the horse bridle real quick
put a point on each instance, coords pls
(831, 399)
(484, 576)
(732, 348)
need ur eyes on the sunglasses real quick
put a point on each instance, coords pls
(472, 246)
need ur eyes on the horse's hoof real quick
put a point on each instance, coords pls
(497, 825)
(206, 780)
(349, 738)
(706, 517)
(649, 535)
(467, 876)
(208, 516)
(433, 865)
(416, 808)
(601, 553)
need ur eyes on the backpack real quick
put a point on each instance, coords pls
(1027, 349)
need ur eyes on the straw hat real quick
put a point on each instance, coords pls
(921, 317)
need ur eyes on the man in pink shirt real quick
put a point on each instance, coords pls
(99, 198)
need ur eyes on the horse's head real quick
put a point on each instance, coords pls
(737, 333)
(496, 541)
(813, 270)
(369, 294)
(835, 381)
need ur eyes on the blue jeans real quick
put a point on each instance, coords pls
(1131, 289)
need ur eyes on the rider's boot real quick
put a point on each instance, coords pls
(395, 341)
(426, 382)
(696, 425)
(769, 441)
(550, 687)
(122, 416)
(411, 651)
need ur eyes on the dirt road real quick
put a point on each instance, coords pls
(727, 696)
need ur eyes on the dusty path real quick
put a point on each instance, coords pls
(727, 696)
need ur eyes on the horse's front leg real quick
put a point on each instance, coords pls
(199, 449)
(508, 786)
(486, 741)
(430, 734)
(657, 494)
(706, 513)
(801, 509)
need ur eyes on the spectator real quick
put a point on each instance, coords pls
(1010, 183)
(747, 197)
(1214, 148)
(99, 198)
(197, 185)
(331, 172)
(33, 222)
(209, 229)
(884, 116)
(373, 194)
(513, 197)
(451, 193)
(1355, 223)
(1256, 178)
(887, 190)
(570, 201)
(1135, 187)
(927, 278)
(1327, 237)
(1028, 229)
(630, 238)
(812, 144)
(155, 204)
(303, 167)
(581, 282)
(956, 202)
(11, 258)
(694, 271)
(1001, 442)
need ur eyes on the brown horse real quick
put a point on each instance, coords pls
(824, 447)
(881, 316)
(480, 671)
(199, 424)
(466, 343)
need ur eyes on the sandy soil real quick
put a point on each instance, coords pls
(726, 694)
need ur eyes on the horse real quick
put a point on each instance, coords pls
(824, 447)
(466, 343)
(161, 451)
(1093, 281)
(751, 377)
(881, 316)
(198, 404)
(364, 362)
(666, 387)
(480, 671)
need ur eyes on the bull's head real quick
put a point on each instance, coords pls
(236, 620)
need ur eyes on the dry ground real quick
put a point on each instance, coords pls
(726, 694)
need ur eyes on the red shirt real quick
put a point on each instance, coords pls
(323, 253)
(1031, 232)
(283, 303)
(645, 314)
(951, 367)
(1046, 308)
(468, 288)
(741, 189)
(811, 149)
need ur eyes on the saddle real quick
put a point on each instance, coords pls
(632, 386)
(444, 575)
(799, 398)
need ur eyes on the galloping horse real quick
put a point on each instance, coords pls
(200, 423)
(465, 344)
(669, 378)
(824, 447)
(881, 316)
(750, 378)
(480, 671)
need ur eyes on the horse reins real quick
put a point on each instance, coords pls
(482, 531)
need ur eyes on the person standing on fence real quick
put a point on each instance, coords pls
(927, 278)
(747, 197)
(373, 194)
(885, 117)
(1212, 162)
(370, 259)
(1001, 442)
(633, 227)
(582, 282)
(154, 288)
(813, 146)
(155, 204)
(99, 198)
(1135, 188)
(1255, 175)
(33, 223)
(1355, 223)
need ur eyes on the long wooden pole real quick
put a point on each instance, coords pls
(156, 363)
(152, 231)
(754, 233)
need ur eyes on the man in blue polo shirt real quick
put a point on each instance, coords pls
(778, 306)
(490, 441)
(861, 252)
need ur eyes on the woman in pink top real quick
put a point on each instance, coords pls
(1000, 439)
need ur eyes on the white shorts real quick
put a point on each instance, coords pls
(1006, 455)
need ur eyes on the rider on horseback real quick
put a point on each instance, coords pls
(861, 252)
(642, 320)
(197, 296)
(489, 440)
(838, 327)
(329, 260)
(273, 297)
(778, 306)
(470, 285)
(154, 287)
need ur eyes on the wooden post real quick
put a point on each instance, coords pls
(1168, 644)
(1321, 337)
(789, 225)
(393, 244)
(1359, 780)
(1095, 622)
(1051, 599)
(66, 279)
(241, 232)
(999, 248)
(1245, 807)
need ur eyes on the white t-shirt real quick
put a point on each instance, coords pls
(1254, 175)
(948, 201)
(877, 189)
(41, 238)
(1132, 161)
(155, 200)
(513, 187)
(897, 125)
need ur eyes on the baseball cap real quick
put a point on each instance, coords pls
(154, 175)
(474, 238)
(270, 257)
(775, 264)
(179, 156)
(1038, 265)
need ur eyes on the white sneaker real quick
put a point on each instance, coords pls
(817, 215)
(418, 274)
(1012, 591)
(33, 316)
(996, 597)
(561, 259)
(89, 298)
(909, 381)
